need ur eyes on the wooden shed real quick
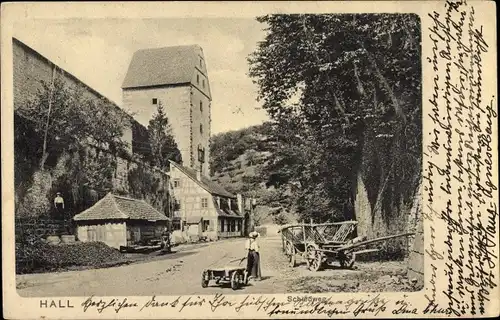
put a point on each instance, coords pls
(120, 221)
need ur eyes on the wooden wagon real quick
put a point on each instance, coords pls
(321, 244)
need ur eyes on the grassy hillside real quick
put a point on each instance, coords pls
(237, 162)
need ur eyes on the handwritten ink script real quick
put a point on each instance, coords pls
(372, 304)
(459, 176)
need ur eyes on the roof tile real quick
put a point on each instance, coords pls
(161, 66)
(113, 207)
(205, 183)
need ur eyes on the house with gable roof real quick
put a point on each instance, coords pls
(204, 208)
(120, 221)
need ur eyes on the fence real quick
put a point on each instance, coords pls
(41, 228)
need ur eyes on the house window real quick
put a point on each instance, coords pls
(177, 183)
(201, 129)
(198, 79)
(176, 225)
(178, 204)
(201, 106)
(204, 202)
(206, 225)
(154, 101)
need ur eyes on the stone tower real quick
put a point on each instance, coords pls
(176, 77)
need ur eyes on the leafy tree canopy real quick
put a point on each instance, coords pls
(161, 140)
(65, 116)
(340, 89)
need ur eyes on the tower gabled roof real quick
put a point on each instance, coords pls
(162, 66)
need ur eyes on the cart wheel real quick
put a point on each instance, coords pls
(314, 258)
(245, 278)
(235, 280)
(204, 279)
(288, 248)
(347, 260)
(292, 258)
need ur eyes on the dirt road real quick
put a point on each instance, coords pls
(180, 274)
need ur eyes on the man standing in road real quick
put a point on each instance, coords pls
(253, 260)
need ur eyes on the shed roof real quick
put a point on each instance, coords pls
(113, 207)
(161, 66)
(225, 211)
(205, 182)
(193, 219)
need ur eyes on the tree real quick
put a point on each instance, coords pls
(161, 140)
(356, 81)
(63, 116)
(65, 119)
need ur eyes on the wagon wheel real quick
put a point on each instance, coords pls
(245, 278)
(204, 279)
(314, 258)
(235, 280)
(288, 248)
(292, 258)
(347, 259)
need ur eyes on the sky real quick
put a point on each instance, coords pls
(98, 52)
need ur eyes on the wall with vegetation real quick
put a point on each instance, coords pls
(83, 175)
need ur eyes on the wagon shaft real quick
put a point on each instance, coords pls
(363, 243)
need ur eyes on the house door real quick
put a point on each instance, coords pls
(137, 234)
(91, 233)
(194, 229)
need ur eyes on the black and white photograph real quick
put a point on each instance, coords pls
(280, 153)
(277, 153)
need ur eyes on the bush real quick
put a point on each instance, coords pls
(34, 256)
(281, 219)
(262, 231)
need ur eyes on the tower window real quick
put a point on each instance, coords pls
(201, 64)
(177, 183)
(201, 106)
(198, 79)
(203, 82)
(154, 101)
(201, 128)
(201, 154)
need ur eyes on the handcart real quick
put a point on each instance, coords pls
(236, 275)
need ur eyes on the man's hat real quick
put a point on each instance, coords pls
(253, 234)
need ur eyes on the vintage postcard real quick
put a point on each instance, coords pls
(255, 160)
